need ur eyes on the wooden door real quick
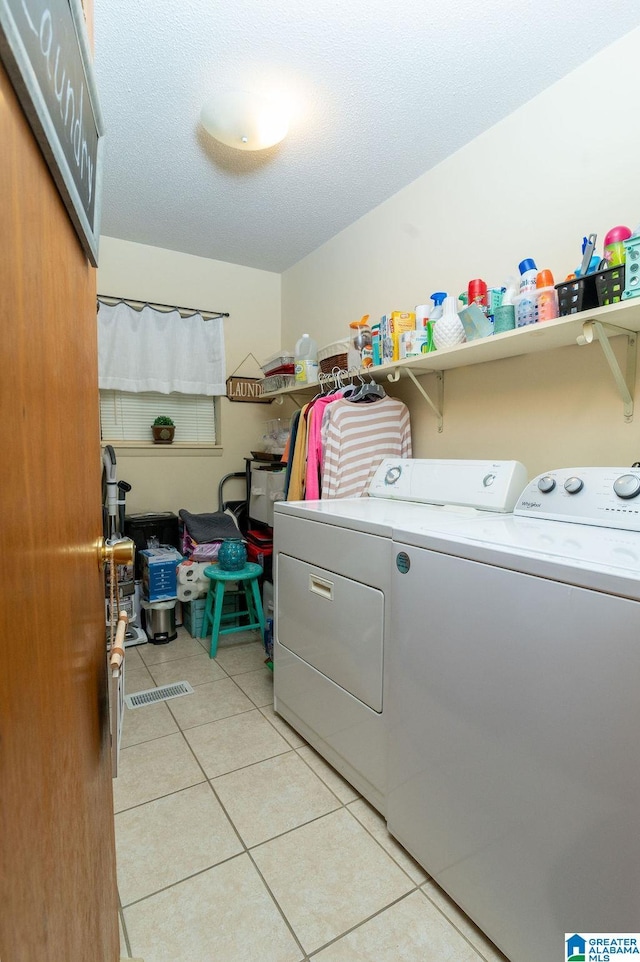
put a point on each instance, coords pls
(58, 897)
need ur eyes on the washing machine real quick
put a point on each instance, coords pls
(513, 711)
(332, 574)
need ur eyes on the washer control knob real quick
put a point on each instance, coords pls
(393, 475)
(546, 484)
(488, 480)
(627, 486)
(573, 485)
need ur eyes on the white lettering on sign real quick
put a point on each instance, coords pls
(66, 95)
(245, 389)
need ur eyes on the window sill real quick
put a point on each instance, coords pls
(146, 449)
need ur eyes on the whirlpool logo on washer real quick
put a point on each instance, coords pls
(531, 504)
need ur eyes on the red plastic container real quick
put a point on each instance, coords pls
(477, 292)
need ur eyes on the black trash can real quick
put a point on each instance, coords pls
(151, 529)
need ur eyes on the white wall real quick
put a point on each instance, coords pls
(562, 166)
(167, 480)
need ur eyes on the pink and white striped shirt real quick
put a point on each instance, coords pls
(357, 437)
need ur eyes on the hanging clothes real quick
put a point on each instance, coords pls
(358, 437)
(315, 444)
(299, 460)
(287, 454)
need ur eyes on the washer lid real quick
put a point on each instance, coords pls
(607, 559)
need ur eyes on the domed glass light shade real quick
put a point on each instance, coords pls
(244, 120)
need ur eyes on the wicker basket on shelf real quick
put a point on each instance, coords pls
(333, 356)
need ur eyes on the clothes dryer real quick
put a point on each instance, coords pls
(513, 711)
(332, 575)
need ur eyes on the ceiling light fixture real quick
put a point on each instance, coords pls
(245, 120)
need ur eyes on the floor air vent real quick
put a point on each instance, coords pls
(163, 693)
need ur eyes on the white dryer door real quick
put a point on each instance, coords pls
(334, 624)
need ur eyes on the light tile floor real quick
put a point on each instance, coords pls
(236, 841)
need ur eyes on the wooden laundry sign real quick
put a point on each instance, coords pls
(246, 389)
(44, 48)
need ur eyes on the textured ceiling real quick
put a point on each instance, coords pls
(382, 91)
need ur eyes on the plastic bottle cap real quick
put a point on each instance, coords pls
(438, 297)
(616, 234)
(545, 279)
(527, 265)
(477, 286)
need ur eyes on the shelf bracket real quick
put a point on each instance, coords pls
(624, 382)
(437, 407)
(279, 400)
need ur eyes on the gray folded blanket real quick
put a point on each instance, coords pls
(204, 528)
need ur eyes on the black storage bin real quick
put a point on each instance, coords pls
(162, 526)
(578, 294)
(610, 285)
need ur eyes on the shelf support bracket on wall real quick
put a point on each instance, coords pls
(437, 407)
(624, 382)
(279, 399)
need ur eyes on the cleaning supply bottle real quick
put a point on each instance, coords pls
(436, 310)
(306, 360)
(360, 351)
(546, 297)
(525, 302)
(448, 329)
(614, 239)
(477, 294)
(504, 317)
(434, 315)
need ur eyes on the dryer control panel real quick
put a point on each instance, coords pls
(609, 497)
(483, 485)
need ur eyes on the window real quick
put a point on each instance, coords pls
(128, 417)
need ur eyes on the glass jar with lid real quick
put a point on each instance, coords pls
(360, 334)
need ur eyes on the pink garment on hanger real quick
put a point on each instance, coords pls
(314, 445)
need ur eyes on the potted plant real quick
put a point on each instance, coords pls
(163, 430)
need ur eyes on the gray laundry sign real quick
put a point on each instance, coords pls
(44, 49)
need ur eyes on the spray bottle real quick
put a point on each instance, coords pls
(546, 297)
(525, 302)
(438, 300)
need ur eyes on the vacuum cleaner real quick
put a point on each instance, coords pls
(113, 511)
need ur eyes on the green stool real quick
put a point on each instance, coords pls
(224, 624)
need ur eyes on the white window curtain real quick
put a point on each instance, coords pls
(151, 350)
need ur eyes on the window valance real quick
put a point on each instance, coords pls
(151, 350)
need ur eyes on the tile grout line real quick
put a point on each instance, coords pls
(278, 906)
(454, 925)
(379, 843)
(358, 925)
(248, 850)
(245, 849)
(127, 942)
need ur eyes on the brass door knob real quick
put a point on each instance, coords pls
(122, 552)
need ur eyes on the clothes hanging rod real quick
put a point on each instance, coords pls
(139, 305)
